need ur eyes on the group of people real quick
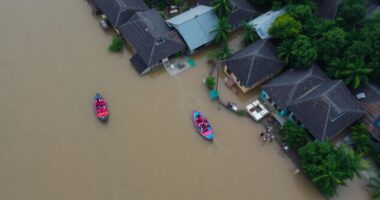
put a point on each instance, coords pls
(202, 123)
(100, 105)
(268, 136)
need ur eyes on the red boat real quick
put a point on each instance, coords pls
(100, 107)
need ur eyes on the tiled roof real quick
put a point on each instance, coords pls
(257, 62)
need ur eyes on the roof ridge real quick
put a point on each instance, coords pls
(250, 69)
(151, 53)
(326, 122)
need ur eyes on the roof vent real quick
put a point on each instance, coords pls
(360, 95)
(160, 40)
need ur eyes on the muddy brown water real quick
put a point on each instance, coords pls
(53, 58)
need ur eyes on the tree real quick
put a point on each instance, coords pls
(249, 34)
(223, 52)
(116, 45)
(284, 51)
(210, 82)
(222, 8)
(285, 27)
(358, 50)
(351, 12)
(301, 12)
(329, 167)
(360, 136)
(331, 44)
(356, 73)
(295, 136)
(222, 31)
(374, 184)
(335, 68)
(303, 51)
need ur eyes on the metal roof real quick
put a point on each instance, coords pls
(195, 25)
(263, 22)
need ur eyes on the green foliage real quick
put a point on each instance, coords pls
(331, 44)
(329, 167)
(335, 68)
(303, 51)
(361, 138)
(374, 184)
(358, 50)
(116, 45)
(300, 12)
(299, 53)
(284, 51)
(222, 8)
(249, 34)
(210, 82)
(371, 33)
(241, 112)
(276, 5)
(295, 136)
(285, 27)
(222, 53)
(222, 31)
(355, 74)
(351, 12)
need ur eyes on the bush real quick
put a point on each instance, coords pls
(360, 137)
(285, 27)
(210, 82)
(116, 45)
(295, 136)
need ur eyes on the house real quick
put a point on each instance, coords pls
(324, 107)
(195, 26)
(242, 11)
(253, 65)
(327, 9)
(118, 11)
(370, 100)
(151, 39)
(263, 23)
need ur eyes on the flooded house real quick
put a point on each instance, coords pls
(307, 97)
(152, 41)
(253, 65)
(117, 12)
(242, 11)
(195, 26)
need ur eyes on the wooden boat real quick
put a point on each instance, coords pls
(203, 126)
(100, 107)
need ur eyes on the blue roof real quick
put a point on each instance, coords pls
(195, 25)
(263, 22)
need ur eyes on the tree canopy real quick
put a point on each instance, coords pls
(331, 44)
(329, 167)
(222, 8)
(285, 27)
(249, 34)
(295, 136)
(223, 31)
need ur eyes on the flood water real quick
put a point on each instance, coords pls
(53, 58)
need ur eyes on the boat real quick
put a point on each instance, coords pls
(203, 126)
(100, 107)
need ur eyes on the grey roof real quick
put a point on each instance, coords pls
(119, 11)
(327, 110)
(327, 8)
(150, 36)
(292, 84)
(195, 25)
(263, 22)
(242, 10)
(257, 62)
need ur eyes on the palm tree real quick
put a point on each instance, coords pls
(374, 183)
(335, 68)
(249, 34)
(222, 31)
(222, 8)
(221, 53)
(356, 74)
(284, 51)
